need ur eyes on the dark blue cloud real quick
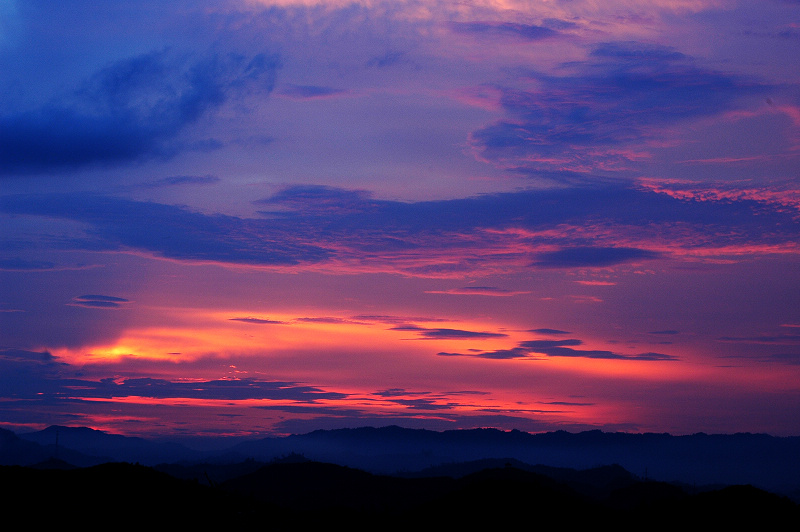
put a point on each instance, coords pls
(27, 357)
(528, 32)
(172, 232)
(36, 379)
(325, 319)
(549, 331)
(259, 321)
(305, 92)
(792, 359)
(424, 404)
(547, 344)
(559, 24)
(448, 334)
(600, 354)
(331, 209)
(588, 257)
(583, 122)
(307, 225)
(98, 301)
(764, 339)
(478, 290)
(532, 349)
(220, 389)
(318, 200)
(178, 180)
(388, 59)
(398, 392)
(130, 109)
(25, 374)
(19, 264)
(636, 52)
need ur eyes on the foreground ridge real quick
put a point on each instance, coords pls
(307, 492)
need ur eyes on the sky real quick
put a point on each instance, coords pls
(265, 217)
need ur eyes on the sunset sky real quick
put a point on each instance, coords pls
(272, 216)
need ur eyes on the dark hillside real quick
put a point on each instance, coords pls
(309, 493)
(115, 493)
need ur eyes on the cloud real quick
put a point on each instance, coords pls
(23, 265)
(424, 404)
(559, 348)
(593, 257)
(326, 319)
(216, 389)
(304, 226)
(259, 321)
(549, 331)
(98, 301)
(529, 32)
(232, 390)
(787, 339)
(792, 359)
(601, 354)
(308, 92)
(388, 59)
(319, 200)
(479, 291)
(25, 374)
(598, 117)
(133, 108)
(397, 392)
(27, 357)
(534, 345)
(172, 232)
(179, 180)
(448, 334)
(383, 318)
(636, 52)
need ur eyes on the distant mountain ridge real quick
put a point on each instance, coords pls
(759, 459)
(768, 462)
(83, 447)
(110, 447)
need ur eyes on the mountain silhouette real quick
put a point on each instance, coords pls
(699, 459)
(692, 461)
(304, 493)
(110, 447)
